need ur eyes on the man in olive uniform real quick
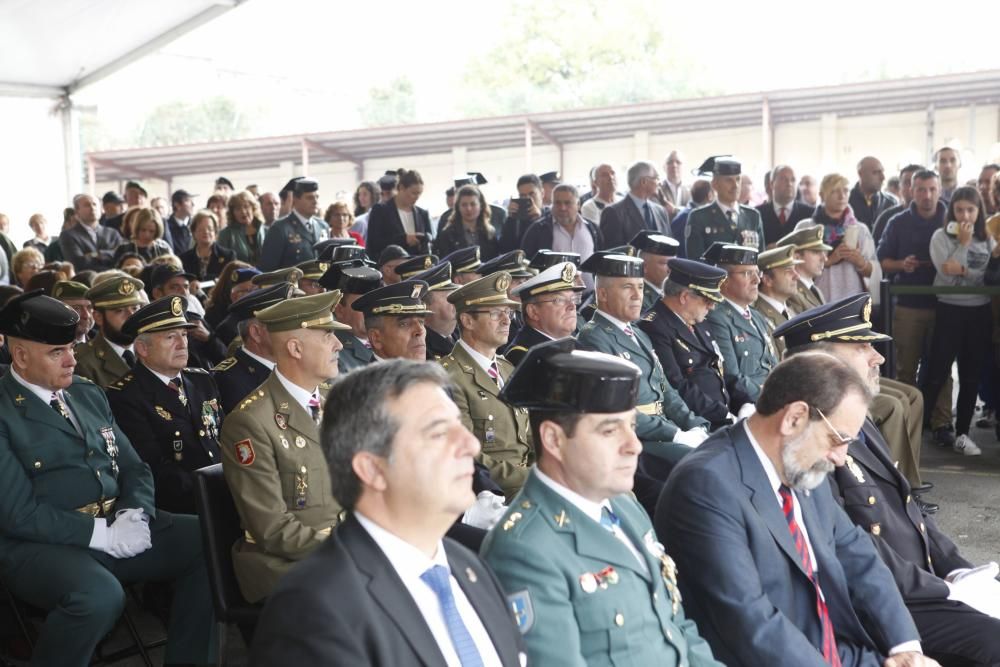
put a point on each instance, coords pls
(290, 240)
(312, 271)
(74, 295)
(271, 453)
(950, 602)
(548, 306)
(109, 355)
(291, 274)
(584, 573)
(685, 347)
(441, 322)
(809, 247)
(253, 360)
(667, 427)
(353, 278)
(655, 250)
(778, 283)
(748, 352)
(479, 373)
(514, 264)
(465, 263)
(169, 412)
(77, 517)
(725, 220)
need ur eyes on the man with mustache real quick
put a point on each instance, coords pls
(772, 569)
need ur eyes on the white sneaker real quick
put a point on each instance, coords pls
(965, 446)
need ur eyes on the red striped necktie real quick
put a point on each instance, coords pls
(829, 641)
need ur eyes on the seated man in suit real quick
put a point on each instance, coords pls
(388, 588)
(725, 220)
(954, 605)
(780, 213)
(684, 345)
(773, 571)
(87, 244)
(740, 331)
(639, 210)
(576, 527)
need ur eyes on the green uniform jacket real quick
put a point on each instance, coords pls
(97, 361)
(281, 485)
(503, 431)
(602, 336)
(649, 296)
(773, 319)
(354, 355)
(804, 299)
(289, 242)
(747, 350)
(579, 595)
(47, 469)
(709, 224)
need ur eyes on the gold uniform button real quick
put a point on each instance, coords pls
(871, 500)
(177, 434)
(201, 433)
(303, 469)
(619, 619)
(526, 505)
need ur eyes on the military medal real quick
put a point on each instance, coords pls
(669, 572)
(491, 435)
(300, 442)
(178, 450)
(284, 442)
(300, 488)
(607, 576)
(108, 434)
(208, 418)
(281, 420)
(588, 582)
(163, 413)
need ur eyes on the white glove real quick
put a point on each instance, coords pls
(977, 587)
(746, 410)
(486, 511)
(692, 437)
(129, 535)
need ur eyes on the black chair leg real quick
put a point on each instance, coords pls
(223, 632)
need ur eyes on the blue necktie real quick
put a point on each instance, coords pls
(609, 519)
(439, 579)
(647, 214)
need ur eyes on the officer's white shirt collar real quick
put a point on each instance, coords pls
(727, 209)
(409, 562)
(259, 359)
(165, 379)
(45, 395)
(480, 360)
(805, 281)
(787, 208)
(739, 309)
(658, 290)
(301, 396)
(300, 218)
(183, 222)
(118, 348)
(615, 321)
(777, 305)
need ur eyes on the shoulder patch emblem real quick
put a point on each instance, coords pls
(244, 452)
(524, 613)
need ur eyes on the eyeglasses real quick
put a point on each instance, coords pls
(841, 438)
(748, 273)
(562, 301)
(495, 315)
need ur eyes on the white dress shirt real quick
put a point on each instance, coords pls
(409, 562)
(483, 362)
(301, 396)
(777, 305)
(259, 359)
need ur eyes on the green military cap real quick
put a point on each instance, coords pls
(699, 277)
(485, 292)
(558, 278)
(290, 275)
(161, 315)
(512, 262)
(848, 320)
(807, 237)
(313, 269)
(415, 265)
(401, 299)
(438, 278)
(775, 258)
(34, 316)
(305, 312)
(464, 260)
(116, 292)
(69, 289)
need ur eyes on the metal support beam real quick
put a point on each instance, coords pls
(305, 157)
(91, 177)
(929, 134)
(332, 152)
(13, 89)
(527, 146)
(549, 138)
(125, 170)
(72, 162)
(766, 133)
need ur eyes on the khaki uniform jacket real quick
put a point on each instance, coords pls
(773, 319)
(97, 361)
(805, 298)
(281, 485)
(502, 430)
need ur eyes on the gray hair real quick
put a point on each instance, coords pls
(243, 327)
(347, 429)
(670, 288)
(566, 187)
(638, 171)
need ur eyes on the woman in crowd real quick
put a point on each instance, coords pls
(206, 258)
(218, 204)
(26, 263)
(399, 221)
(339, 217)
(146, 228)
(468, 225)
(131, 263)
(39, 227)
(853, 259)
(367, 195)
(965, 255)
(244, 234)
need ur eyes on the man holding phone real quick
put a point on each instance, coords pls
(522, 211)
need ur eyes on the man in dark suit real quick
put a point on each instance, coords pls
(387, 588)
(725, 220)
(179, 222)
(87, 244)
(639, 209)
(950, 602)
(774, 572)
(781, 212)
(171, 413)
(867, 199)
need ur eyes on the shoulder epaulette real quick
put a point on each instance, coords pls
(122, 381)
(251, 398)
(650, 316)
(520, 513)
(83, 379)
(195, 369)
(225, 364)
(518, 347)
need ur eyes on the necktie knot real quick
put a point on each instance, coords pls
(609, 519)
(315, 408)
(628, 331)
(176, 384)
(746, 314)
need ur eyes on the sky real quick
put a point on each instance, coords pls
(306, 65)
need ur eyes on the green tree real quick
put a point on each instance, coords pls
(582, 54)
(393, 104)
(213, 119)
